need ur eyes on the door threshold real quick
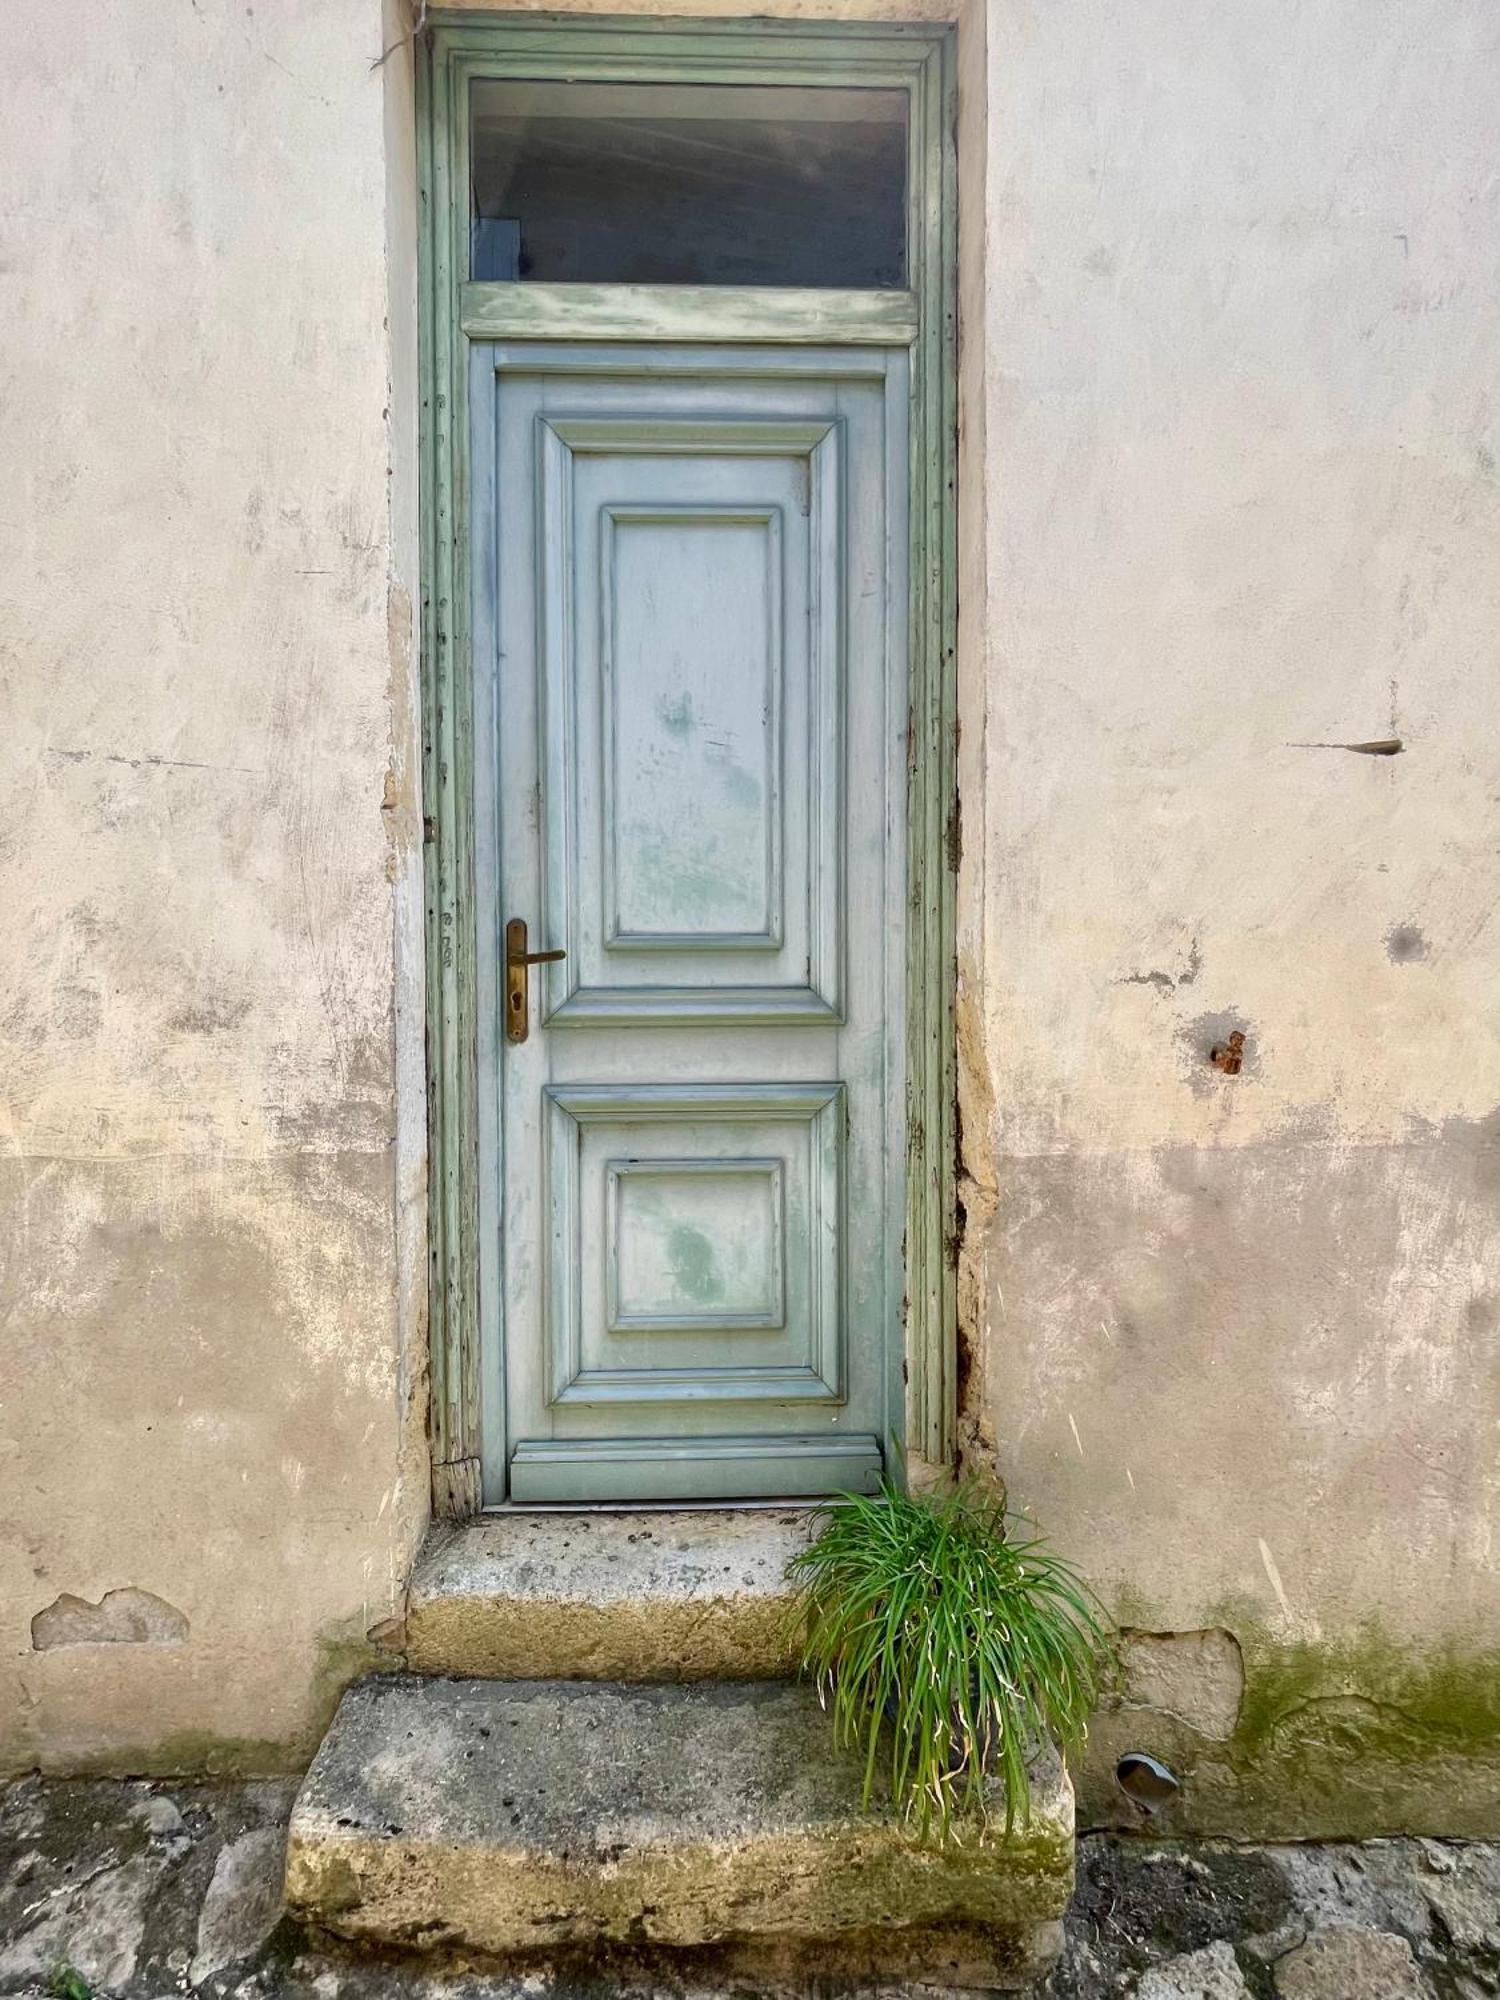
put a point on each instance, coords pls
(801, 1504)
(610, 1593)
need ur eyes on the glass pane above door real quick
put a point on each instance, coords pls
(688, 184)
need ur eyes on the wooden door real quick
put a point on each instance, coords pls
(691, 714)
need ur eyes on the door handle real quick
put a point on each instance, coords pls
(518, 960)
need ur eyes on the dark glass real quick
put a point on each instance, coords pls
(688, 184)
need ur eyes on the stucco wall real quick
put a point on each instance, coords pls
(1234, 1339)
(1231, 335)
(210, 1214)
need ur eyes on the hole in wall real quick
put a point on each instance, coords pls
(1145, 1781)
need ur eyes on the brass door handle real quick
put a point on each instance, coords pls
(517, 984)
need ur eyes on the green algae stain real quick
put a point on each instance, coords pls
(694, 1267)
(1447, 1700)
(1355, 1737)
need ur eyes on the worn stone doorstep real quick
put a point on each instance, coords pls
(647, 1596)
(533, 1818)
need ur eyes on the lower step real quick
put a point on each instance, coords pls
(536, 1819)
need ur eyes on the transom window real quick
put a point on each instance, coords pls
(679, 184)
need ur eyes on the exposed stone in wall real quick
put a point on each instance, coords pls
(1210, 1974)
(128, 1617)
(1199, 1677)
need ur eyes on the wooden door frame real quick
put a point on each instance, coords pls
(918, 59)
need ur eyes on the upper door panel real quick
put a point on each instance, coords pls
(692, 660)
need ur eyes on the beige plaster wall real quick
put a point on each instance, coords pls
(1231, 334)
(1234, 1339)
(210, 1211)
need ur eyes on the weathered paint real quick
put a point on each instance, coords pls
(213, 1390)
(462, 47)
(1234, 1337)
(1228, 473)
(686, 312)
(683, 569)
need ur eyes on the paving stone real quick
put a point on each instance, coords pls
(1210, 1974)
(142, 1888)
(243, 1902)
(1378, 1885)
(1351, 1965)
(95, 1926)
(160, 1816)
(1465, 1895)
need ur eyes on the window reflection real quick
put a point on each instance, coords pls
(713, 184)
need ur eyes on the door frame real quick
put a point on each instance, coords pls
(918, 59)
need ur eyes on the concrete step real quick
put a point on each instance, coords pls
(536, 1820)
(647, 1596)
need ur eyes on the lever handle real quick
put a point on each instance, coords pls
(517, 983)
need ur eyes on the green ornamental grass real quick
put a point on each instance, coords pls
(930, 1631)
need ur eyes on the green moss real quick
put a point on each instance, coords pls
(344, 1654)
(193, 1753)
(1358, 1736)
(1130, 1609)
(1448, 1700)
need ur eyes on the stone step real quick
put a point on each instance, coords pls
(645, 1596)
(535, 1820)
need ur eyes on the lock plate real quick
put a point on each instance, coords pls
(518, 963)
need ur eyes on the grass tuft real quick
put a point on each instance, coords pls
(947, 1651)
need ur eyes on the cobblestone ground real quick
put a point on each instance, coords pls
(148, 1891)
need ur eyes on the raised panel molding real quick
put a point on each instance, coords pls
(811, 1116)
(677, 871)
(745, 1179)
(662, 435)
(802, 924)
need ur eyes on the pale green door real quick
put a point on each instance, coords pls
(691, 720)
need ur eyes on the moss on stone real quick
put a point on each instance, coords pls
(1353, 1737)
(194, 1753)
(540, 1816)
(1446, 1698)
